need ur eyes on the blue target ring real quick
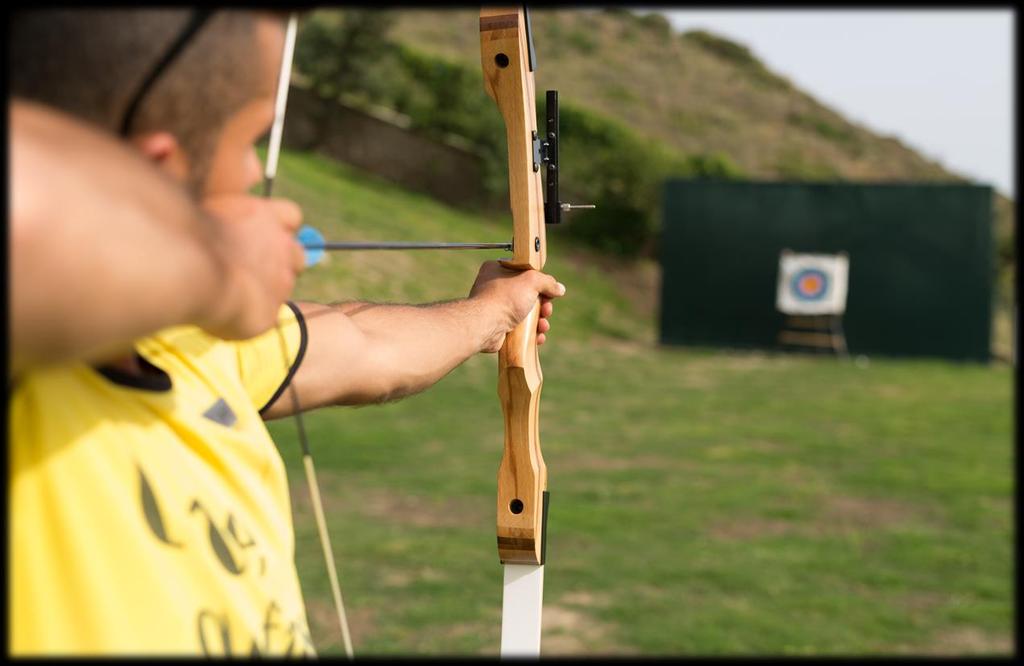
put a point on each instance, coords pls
(809, 284)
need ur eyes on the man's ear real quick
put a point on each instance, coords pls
(163, 149)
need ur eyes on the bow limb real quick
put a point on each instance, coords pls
(507, 62)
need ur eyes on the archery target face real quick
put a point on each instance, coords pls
(809, 284)
(812, 283)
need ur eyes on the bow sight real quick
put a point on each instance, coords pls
(546, 153)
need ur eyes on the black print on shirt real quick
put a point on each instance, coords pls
(238, 553)
(219, 541)
(277, 636)
(224, 541)
(151, 510)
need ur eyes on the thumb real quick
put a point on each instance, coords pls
(547, 285)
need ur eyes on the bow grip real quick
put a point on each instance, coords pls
(522, 474)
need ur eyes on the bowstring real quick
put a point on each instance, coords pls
(273, 153)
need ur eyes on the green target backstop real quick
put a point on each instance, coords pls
(920, 280)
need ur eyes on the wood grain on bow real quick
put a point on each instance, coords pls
(506, 57)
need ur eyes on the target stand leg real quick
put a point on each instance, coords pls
(818, 332)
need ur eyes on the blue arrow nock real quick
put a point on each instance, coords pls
(313, 241)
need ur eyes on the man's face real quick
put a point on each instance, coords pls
(235, 166)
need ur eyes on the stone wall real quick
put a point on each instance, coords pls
(443, 171)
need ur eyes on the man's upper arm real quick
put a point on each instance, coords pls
(335, 366)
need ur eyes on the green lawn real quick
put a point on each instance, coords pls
(702, 501)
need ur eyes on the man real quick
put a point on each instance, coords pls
(149, 508)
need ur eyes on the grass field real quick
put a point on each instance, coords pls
(702, 501)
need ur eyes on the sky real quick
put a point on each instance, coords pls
(940, 80)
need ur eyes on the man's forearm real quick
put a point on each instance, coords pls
(104, 247)
(364, 353)
(417, 345)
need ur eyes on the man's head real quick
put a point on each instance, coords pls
(203, 114)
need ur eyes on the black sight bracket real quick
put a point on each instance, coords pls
(545, 152)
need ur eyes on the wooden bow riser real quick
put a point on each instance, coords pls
(509, 81)
(522, 475)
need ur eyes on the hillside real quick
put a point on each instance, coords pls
(696, 92)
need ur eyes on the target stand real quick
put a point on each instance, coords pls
(812, 294)
(819, 332)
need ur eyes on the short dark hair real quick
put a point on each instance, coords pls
(90, 63)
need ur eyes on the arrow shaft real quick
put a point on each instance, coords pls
(408, 246)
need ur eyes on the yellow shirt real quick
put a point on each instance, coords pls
(154, 518)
